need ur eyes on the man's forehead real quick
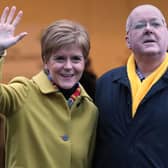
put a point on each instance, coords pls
(146, 12)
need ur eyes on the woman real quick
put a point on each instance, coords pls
(50, 119)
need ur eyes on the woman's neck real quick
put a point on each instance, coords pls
(68, 92)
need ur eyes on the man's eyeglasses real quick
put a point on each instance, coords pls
(154, 23)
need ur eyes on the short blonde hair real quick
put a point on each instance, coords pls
(63, 33)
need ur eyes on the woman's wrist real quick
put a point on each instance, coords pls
(3, 53)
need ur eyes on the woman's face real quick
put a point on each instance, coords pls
(66, 66)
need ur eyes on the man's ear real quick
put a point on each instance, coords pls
(127, 41)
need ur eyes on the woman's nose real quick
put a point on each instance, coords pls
(68, 64)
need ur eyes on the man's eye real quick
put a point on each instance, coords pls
(139, 25)
(156, 24)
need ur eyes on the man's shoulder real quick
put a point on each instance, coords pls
(114, 73)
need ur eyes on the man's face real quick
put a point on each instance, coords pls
(148, 34)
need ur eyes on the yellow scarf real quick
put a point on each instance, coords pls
(140, 89)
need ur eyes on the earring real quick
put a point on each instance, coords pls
(46, 70)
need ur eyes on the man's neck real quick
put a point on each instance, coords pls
(147, 64)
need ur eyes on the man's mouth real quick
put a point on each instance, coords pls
(149, 41)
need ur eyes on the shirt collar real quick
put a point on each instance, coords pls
(140, 74)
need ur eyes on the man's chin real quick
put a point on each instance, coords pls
(150, 52)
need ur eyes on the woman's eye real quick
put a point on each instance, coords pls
(59, 59)
(76, 59)
(62, 59)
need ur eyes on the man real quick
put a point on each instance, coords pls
(133, 100)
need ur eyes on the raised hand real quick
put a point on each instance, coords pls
(8, 25)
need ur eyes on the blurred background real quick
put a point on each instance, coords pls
(104, 19)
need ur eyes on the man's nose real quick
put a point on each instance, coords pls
(148, 28)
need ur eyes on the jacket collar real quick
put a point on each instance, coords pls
(165, 76)
(43, 83)
(119, 75)
(46, 86)
(122, 77)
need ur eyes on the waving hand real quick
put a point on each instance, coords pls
(8, 24)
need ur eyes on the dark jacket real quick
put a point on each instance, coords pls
(126, 142)
(88, 81)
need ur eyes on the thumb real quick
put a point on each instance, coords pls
(20, 36)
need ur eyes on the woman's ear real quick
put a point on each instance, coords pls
(46, 68)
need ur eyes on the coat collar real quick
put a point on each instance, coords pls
(46, 86)
(43, 83)
(122, 77)
(119, 75)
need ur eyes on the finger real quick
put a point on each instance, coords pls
(20, 36)
(4, 15)
(11, 15)
(17, 18)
